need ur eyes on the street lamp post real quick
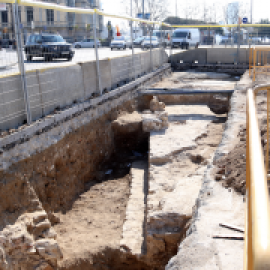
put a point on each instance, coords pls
(251, 7)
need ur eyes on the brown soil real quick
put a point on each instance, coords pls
(231, 170)
(95, 220)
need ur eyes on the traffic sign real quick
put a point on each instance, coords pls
(245, 20)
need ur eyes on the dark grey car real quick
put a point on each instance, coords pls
(48, 46)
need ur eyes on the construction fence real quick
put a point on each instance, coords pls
(41, 73)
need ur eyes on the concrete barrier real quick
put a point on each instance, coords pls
(145, 62)
(61, 87)
(121, 70)
(34, 94)
(190, 56)
(12, 109)
(89, 73)
(56, 88)
(226, 55)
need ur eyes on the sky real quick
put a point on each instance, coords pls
(261, 8)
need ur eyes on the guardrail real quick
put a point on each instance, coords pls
(258, 61)
(257, 232)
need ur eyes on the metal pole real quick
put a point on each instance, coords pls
(151, 58)
(171, 42)
(143, 17)
(251, 7)
(15, 14)
(132, 47)
(96, 51)
(238, 43)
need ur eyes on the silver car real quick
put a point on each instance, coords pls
(120, 43)
(148, 43)
(87, 43)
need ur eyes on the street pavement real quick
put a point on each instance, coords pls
(8, 59)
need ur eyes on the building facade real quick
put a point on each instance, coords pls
(70, 25)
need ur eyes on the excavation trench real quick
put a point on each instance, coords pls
(139, 211)
(119, 197)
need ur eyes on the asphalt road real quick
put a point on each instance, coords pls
(8, 59)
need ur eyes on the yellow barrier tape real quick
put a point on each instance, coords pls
(55, 7)
(217, 25)
(7, 1)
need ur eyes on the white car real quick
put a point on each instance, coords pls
(148, 43)
(86, 43)
(121, 43)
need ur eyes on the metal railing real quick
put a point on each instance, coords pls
(257, 232)
(259, 61)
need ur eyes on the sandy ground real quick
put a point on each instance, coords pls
(95, 220)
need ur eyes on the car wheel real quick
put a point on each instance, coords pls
(187, 46)
(48, 58)
(29, 57)
(111, 49)
(78, 46)
(69, 58)
(125, 47)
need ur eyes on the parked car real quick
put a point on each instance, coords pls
(163, 37)
(138, 42)
(186, 38)
(87, 43)
(48, 46)
(121, 43)
(148, 43)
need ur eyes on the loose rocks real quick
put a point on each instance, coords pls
(158, 120)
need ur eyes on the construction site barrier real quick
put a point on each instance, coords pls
(257, 232)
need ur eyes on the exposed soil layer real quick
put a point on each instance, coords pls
(94, 222)
(231, 169)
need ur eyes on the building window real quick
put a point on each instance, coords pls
(50, 16)
(4, 15)
(29, 15)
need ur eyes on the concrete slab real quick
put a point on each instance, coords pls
(61, 87)
(121, 70)
(12, 108)
(190, 56)
(226, 55)
(133, 228)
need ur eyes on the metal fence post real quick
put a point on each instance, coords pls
(96, 51)
(151, 57)
(15, 14)
(132, 47)
(171, 44)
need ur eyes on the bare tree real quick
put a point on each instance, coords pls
(157, 8)
(235, 11)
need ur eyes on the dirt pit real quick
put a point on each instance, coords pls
(95, 221)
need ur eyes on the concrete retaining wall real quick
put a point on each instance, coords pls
(211, 56)
(57, 88)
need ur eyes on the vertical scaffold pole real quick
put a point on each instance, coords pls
(97, 57)
(15, 14)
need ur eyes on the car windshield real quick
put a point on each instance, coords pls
(157, 34)
(180, 34)
(153, 38)
(52, 39)
(138, 39)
